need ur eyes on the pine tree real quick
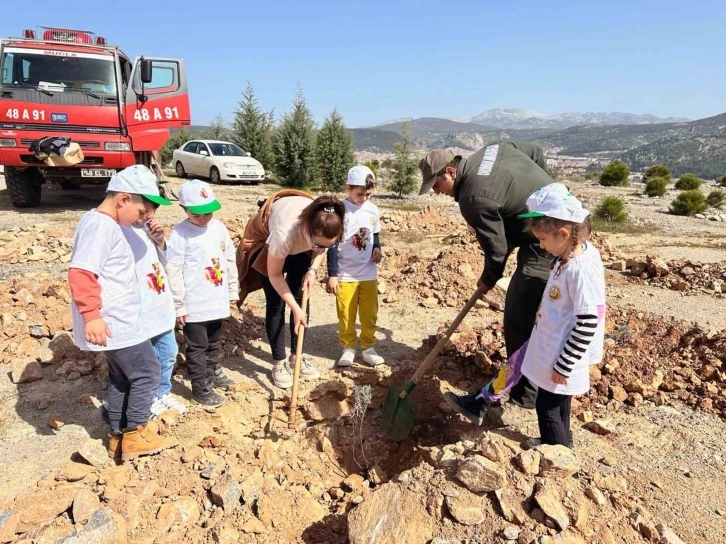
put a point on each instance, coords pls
(294, 147)
(404, 176)
(334, 152)
(217, 130)
(253, 128)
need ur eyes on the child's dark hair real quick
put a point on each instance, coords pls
(580, 233)
(324, 217)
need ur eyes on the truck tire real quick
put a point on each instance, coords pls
(23, 187)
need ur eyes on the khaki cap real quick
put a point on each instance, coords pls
(431, 164)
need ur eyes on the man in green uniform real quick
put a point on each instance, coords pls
(491, 187)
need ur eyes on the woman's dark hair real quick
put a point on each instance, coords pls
(324, 217)
(580, 233)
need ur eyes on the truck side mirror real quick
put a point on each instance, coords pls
(145, 68)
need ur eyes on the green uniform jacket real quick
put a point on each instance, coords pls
(492, 187)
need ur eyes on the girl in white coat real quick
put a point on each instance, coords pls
(569, 329)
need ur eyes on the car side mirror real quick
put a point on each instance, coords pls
(204, 153)
(146, 72)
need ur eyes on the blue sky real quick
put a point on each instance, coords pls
(377, 61)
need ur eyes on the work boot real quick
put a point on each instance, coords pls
(469, 406)
(114, 446)
(307, 370)
(144, 441)
(281, 374)
(220, 380)
(371, 358)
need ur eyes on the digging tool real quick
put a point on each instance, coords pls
(399, 411)
(298, 358)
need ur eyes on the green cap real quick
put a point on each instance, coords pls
(431, 164)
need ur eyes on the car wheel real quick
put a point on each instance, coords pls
(180, 172)
(214, 175)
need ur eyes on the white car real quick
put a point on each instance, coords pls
(218, 161)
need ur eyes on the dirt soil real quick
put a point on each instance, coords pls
(650, 437)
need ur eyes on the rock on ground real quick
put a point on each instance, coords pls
(104, 527)
(85, 504)
(557, 461)
(94, 452)
(466, 507)
(23, 371)
(547, 497)
(9, 521)
(481, 475)
(226, 493)
(390, 515)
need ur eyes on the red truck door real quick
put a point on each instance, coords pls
(154, 106)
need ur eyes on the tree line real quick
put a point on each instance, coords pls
(297, 152)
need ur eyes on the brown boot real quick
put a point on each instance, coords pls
(114, 446)
(145, 441)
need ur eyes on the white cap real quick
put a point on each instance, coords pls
(358, 175)
(198, 197)
(137, 180)
(555, 201)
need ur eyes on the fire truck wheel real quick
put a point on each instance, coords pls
(180, 172)
(23, 187)
(214, 175)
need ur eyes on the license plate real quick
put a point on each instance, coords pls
(248, 174)
(96, 173)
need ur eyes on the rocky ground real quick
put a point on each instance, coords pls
(648, 464)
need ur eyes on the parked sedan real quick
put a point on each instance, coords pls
(218, 161)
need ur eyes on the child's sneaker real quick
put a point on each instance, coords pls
(221, 381)
(370, 357)
(281, 374)
(347, 358)
(208, 398)
(308, 370)
(144, 441)
(157, 407)
(173, 404)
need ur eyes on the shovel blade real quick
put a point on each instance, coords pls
(398, 414)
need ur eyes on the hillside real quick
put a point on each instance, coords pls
(703, 155)
(527, 119)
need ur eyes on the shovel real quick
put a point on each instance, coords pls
(399, 411)
(298, 358)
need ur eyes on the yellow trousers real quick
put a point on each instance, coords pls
(357, 298)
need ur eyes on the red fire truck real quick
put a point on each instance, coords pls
(74, 84)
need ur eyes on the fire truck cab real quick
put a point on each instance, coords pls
(71, 83)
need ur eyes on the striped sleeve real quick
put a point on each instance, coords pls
(577, 344)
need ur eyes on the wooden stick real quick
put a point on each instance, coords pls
(443, 340)
(298, 359)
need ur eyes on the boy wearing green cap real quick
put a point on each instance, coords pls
(203, 276)
(106, 306)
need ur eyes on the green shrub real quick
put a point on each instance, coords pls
(715, 198)
(689, 203)
(656, 186)
(721, 181)
(688, 182)
(612, 209)
(658, 171)
(589, 176)
(615, 174)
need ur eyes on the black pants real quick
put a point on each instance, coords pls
(553, 416)
(296, 266)
(134, 374)
(203, 350)
(520, 312)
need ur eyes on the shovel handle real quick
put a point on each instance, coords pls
(296, 372)
(443, 340)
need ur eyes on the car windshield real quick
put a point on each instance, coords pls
(227, 150)
(23, 68)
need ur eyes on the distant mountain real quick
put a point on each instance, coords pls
(528, 119)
